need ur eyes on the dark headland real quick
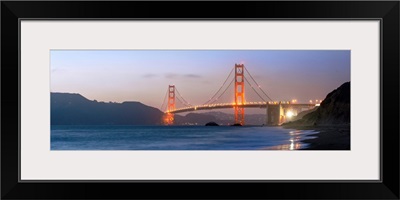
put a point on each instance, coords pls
(331, 119)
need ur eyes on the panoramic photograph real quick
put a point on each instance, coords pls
(267, 100)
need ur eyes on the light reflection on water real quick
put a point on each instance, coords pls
(294, 142)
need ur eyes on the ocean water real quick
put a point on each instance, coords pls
(176, 138)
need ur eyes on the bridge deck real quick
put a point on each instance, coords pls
(232, 105)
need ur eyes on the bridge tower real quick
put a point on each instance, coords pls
(239, 94)
(169, 117)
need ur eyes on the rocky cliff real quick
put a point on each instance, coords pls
(334, 109)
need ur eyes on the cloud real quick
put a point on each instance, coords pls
(174, 76)
(171, 75)
(192, 76)
(149, 75)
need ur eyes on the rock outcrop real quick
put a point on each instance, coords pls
(333, 110)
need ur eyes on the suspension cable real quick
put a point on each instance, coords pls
(257, 84)
(223, 92)
(254, 89)
(181, 101)
(165, 98)
(187, 103)
(220, 87)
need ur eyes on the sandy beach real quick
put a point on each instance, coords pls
(330, 137)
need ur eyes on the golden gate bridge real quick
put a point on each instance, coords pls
(276, 111)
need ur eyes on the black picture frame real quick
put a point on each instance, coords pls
(13, 11)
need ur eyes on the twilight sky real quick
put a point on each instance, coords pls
(144, 75)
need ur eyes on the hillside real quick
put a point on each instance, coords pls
(333, 110)
(220, 118)
(194, 119)
(301, 114)
(74, 109)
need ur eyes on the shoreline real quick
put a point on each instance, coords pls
(329, 137)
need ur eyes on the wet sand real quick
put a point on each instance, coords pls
(332, 137)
